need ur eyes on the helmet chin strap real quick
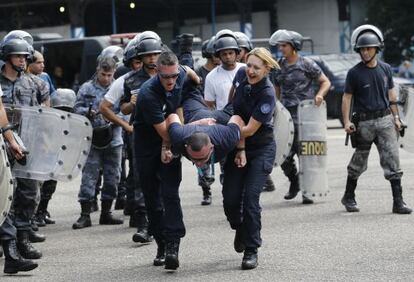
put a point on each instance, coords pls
(19, 70)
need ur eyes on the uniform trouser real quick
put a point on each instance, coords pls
(122, 187)
(160, 184)
(289, 165)
(7, 229)
(47, 190)
(242, 188)
(382, 133)
(206, 175)
(135, 195)
(109, 160)
(25, 202)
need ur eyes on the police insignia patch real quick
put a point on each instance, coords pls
(265, 108)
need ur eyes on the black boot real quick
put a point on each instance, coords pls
(160, 257)
(48, 218)
(36, 237)
(293, 188)
(348, 200)
(142, 236)
(25, 247)
(250, 259)
(42, 215)
(185, 43)
(171, 255)
(85, 219)
(39, 219)
(106, 217)
(269, 185)
(120, 202)
(94, 206)
(306, 200)
(14, 262)
(238, 241)
(1, 252)
(34, 226)
(206, 196)
(398, 206)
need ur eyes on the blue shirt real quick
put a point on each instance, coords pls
(369, 86)
(257, 101)
(153, 105)
(44, 76)
(223, 137)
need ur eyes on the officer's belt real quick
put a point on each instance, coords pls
(372, 115)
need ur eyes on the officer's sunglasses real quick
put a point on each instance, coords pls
(168, 76)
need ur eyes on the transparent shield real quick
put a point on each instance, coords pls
(58, 142)
(312, 128)
(284, 131)
(407, 142)
(6, 182)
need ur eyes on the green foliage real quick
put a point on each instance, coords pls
(395, 19)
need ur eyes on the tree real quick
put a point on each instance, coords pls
(395, 19)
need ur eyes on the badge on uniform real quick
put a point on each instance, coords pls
(265, 108)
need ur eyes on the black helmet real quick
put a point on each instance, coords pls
(243, 41)
(130, 51)
(147, 34)
(149, 46)
(367, 39)
(102, 136)
(204, 51)
(16, 46)
(287, 36)
(374, 39)
(224, 43)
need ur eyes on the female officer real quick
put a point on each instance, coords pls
(293, 85)
(248, 166)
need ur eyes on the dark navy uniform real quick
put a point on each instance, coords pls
(135, 199)
(223, 137)
(160, 182)
(242, 186)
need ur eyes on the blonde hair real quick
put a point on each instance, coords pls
(264, 55)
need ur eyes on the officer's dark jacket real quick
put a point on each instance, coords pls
(257, 101)
(153, 105)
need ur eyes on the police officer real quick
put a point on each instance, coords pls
(160, 173)
(147, 50)
(293, 85)
(203, 142)
(375, 120)
(247, 167)
(245, 45)
(105, 153)
(207, 51)
(13, 262)
(19, 89)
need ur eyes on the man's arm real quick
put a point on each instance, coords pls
(106, 110)
(192, 75)
(346, 107)
(8, 134)
(324, 85)
(392, 96)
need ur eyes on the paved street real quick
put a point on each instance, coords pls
(320, 242)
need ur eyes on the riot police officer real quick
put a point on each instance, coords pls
(18, 88)
(207, 51)
(13, 262)
(293, 85)
(245, 45)
(147, 49)
(105, 153)
(375, 117)
(160, 173)
(247, 167)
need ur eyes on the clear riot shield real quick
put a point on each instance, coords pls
(284, 131)
(6, 182)
(406, 96)
(58, 142)
(312, 129)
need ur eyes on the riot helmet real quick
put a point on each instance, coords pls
(287, 36)
(147, 34)
(19, 34)
(149, 46)
(16, 46)
(204, 51)
(224, 43)
(63, 99)
(130, 51)
(243, 41)
(114, 52)
(367, 36)
(225, 33)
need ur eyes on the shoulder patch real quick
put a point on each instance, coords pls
(265, 108)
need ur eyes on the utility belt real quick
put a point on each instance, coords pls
(372, 115)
